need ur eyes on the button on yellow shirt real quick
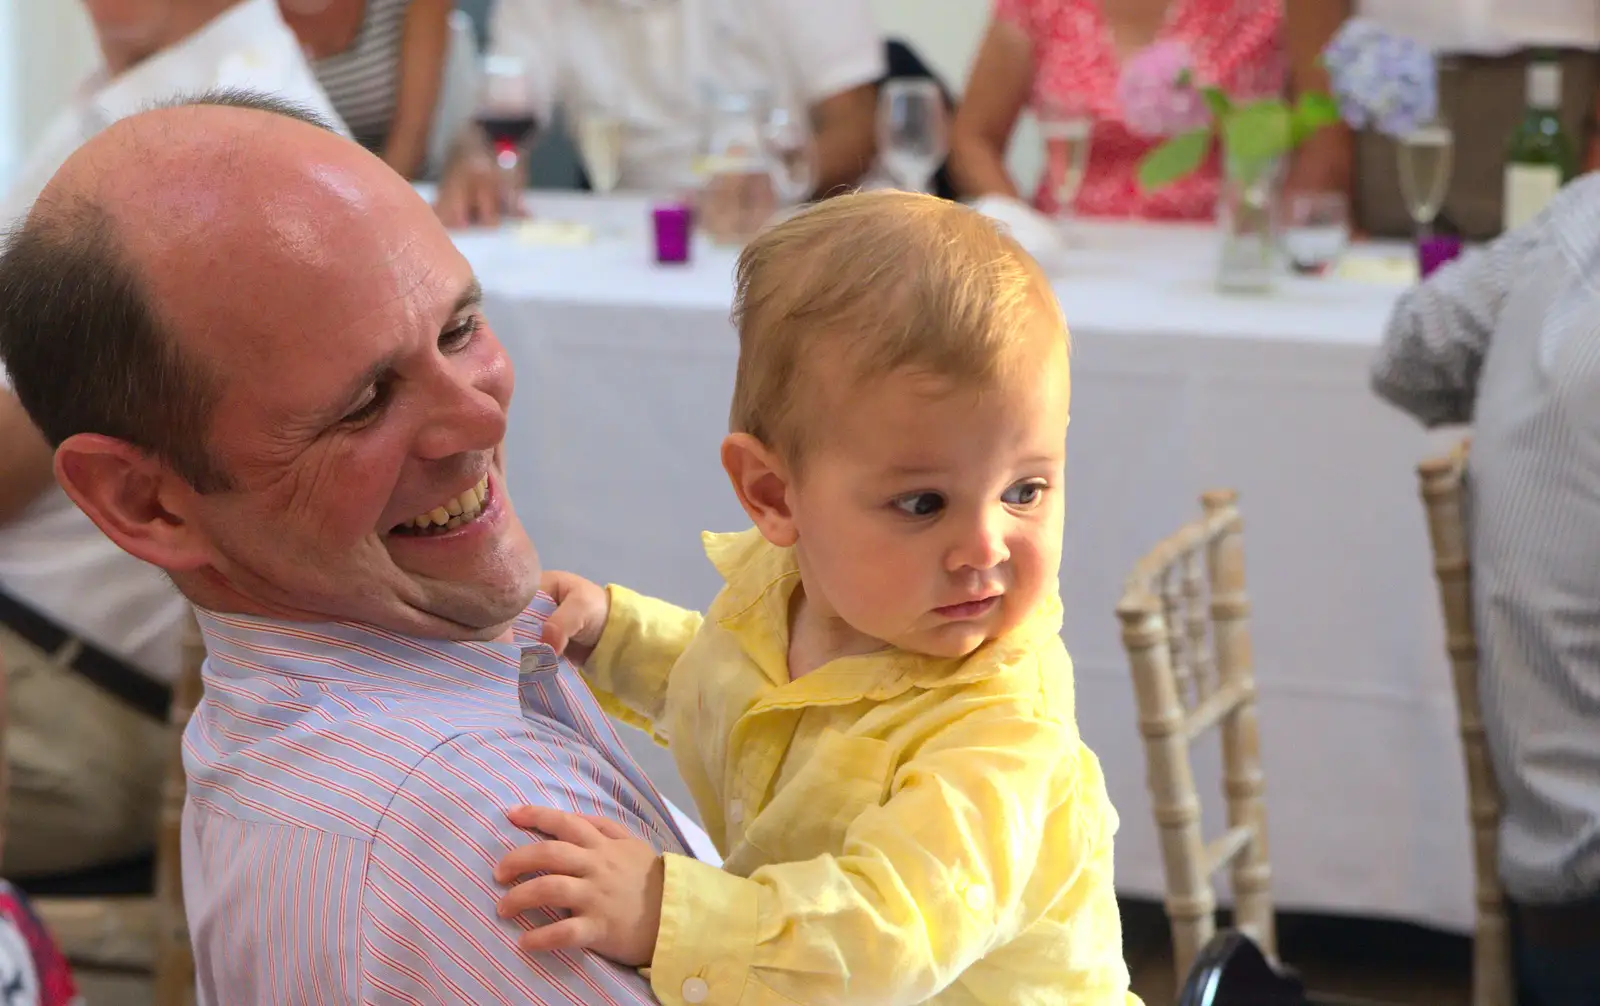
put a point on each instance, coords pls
(895, 828)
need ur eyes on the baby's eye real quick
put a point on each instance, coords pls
(918, 504)
(1025, 493)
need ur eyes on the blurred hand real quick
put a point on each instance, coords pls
(582, 608)
(474, 191)
(609, 881)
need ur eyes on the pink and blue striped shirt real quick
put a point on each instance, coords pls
(345, 810)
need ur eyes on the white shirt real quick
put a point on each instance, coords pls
(1490, 27)
(646, 61)
(51, 556)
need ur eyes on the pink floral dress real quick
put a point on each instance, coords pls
(1237, 44)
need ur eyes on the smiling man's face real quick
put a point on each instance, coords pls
(360, 401)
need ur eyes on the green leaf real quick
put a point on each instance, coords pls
(1313, 111)
(1259, 131)
(1174, 159)
(1219, 103)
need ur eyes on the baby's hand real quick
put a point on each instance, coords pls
(609, 881)
(580, 616)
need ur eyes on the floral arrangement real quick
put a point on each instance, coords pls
(1161, 97)
(1382, 81)
(1155, 95)
(1379, 80)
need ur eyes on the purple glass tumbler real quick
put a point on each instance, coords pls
(1435, 250)
(673, 226)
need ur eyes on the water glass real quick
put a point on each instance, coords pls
(789, 145)
(912, 140)
(1067, 129)
(1316, 231)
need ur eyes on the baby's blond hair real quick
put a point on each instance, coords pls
(880, 281)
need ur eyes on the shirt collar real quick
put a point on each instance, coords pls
(754, 608)
(353, 653)
(239, 46)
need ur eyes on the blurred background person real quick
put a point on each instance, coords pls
(656, 69)
(88, 634)
(1063, 58)
(381, 62)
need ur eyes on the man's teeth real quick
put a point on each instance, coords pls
(453, 512)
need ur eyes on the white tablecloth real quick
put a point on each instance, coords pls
(624, 372)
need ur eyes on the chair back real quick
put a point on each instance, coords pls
(1231, 970)
(173, 966)
(1184, 615)
(1442, 482)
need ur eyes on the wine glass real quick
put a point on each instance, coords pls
(1067, 129)
(911, 131)
(1317, 231)
(505, 113)
(789, 145)
(1426, 159)
(600, 147)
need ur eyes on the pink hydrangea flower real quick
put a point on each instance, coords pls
(1158, 92)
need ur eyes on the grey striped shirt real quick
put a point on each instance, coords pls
(364, 81)
(1508, 338)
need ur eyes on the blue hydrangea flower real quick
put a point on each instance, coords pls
(1383, 81)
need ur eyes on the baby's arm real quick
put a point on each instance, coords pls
(999, 817)
(624, 642)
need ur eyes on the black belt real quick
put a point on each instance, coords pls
(106, 672)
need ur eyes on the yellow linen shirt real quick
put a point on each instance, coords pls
(896, 828)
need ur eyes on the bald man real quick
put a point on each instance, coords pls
(263, 368)
(89, 635)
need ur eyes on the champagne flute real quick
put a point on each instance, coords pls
(1067, 129)
(600, 147)
(1426, 159)
(505, 113)
(912, 131)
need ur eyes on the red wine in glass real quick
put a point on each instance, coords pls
(507, 132)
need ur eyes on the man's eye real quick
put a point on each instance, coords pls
(459, 336)
(370, 406)
(918, 504)
(1025, 493)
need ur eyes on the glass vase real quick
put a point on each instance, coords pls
(1249, 222)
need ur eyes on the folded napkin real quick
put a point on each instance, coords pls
(554, 232)
(1378, 268)
(1038, 235)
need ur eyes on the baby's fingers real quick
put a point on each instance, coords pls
(549, 891)
(542, 857)
(565, 934)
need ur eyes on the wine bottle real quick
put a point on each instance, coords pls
(1541, 157)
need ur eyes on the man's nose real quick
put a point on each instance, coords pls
(467, 413)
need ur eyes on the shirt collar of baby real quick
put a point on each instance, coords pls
(761, 577)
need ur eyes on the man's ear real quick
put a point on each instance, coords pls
(137, 501)
(762, 483)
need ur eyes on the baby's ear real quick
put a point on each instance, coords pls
(761, 481)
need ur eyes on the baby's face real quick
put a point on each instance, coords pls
(930, 518)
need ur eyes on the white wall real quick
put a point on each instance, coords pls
(45, 49)
(946, 34)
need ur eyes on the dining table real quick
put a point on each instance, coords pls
(624, 371)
